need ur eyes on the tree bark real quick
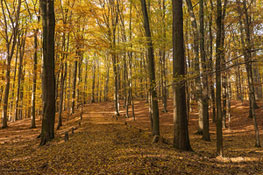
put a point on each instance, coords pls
(181, 136)
(219, 132)
(212, 89)
(224, 74)
(196, 66)
(151, 67)
(19, 95)
(205, 113)
(48, 74)
(61, 95)
(93, 81)
(106, 90)
(33, 110)
(74, 87)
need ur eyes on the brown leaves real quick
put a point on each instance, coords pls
(102, 145)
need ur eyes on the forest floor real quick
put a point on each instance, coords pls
(103, 144)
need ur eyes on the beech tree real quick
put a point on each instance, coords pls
(181, 136)
(151, 69)
(219, 132)
(48, 74)
(206, 135)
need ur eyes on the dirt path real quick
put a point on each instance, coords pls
(104, 145)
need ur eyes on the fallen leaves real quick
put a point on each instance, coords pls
(102, 145)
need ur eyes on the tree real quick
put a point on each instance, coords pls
(33, 112)
(211, 66)
(19, 96)
(206, 135)
(181, 136)
(219, 134)
(48, 74)
(198, 91)
(11, 41)
(151, 68)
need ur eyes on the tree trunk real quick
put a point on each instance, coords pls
(63, 76)
(181, 136)
(69, 88)
(211, 66)
(151, 67)
(224, 74)
(106, 90)
(33, 110)
(163, 61)
(98, 82)
(19, 98)
(219, 132)
(79, 93)
(93, 81)
(48, 75)
(85, 82)
(61, 95)
(74, 87)
(205, 113)
(197, 66)
(14, 80)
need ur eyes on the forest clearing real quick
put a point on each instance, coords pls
(104, 145)
(131, 87)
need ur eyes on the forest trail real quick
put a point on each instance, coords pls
(105, 145)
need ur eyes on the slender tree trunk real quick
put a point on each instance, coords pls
(240, 92)
(107, 82)
(98, 82)
(6, 93)
(69, 88)
(163, 60)
(205, 113)
(63, 76)
(85, 81)
(224, 74)
(93, 81)
(219, 132)
(151, 67)
(116, 90)
(229, 96)
(74, 87)
(14, 82)
(33, 110)
(61, 98)
(20, 77)
(212, 89)
(197, 65)
(79, 93)
(130, 56)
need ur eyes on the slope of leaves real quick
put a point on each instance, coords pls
(105, 145)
